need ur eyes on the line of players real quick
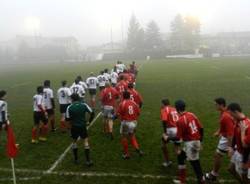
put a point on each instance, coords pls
(117, 96)
(234, 140)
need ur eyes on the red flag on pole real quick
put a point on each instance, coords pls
(11, 147)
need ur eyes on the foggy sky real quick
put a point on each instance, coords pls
(90, 21)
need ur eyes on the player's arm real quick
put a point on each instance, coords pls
(245, 135)
(200, 127)
(67, 115)
(91, 113)
(229, 125)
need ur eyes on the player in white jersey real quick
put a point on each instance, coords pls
(49, 103)
(92, 83)
(3, 110)
(40, 116)
(120, 67)
(106, 75)
(78, 89)
(101, 80)
(114, 77)
(82, 83)
(64, 99)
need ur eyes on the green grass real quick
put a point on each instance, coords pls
(197, 81)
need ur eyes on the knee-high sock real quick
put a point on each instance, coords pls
(75, 151)
(134, 142)
(62, 125)
(52, 123)
(182, 167)
(87, 153)
(198, 171)
(34, 133)
(124, 142)
(44, 130)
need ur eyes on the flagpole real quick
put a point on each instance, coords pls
(13, 170)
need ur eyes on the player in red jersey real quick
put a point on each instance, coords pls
(128, 112)
(108, 100)
(122, 85)
(135, 95)
(225, 132)
(133, 68)
(241, 144)
(130, 78)
(169, 117)
(190, 131)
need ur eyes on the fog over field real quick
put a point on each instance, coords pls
(91, 21)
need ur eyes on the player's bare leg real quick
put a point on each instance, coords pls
(63, 125)
(75, 151)
(110, 128)
(217, 165)
(92, 101)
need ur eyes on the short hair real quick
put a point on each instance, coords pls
(102, 72)
(165, 101)
(39, 89)
(106, 70)
(220, 101)
(75, 97)
(2, 93)
(79, 77)
(46, 83)
(234, 107)
(77, 80)
(126, 95)
(180, 105)
(130, 85)
(64, 82)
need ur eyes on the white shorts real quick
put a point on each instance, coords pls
(192, 149)
(222, 147)
(171, 132)
(237, 159)
(108, 111)
(128, 127)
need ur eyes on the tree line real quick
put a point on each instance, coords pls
(184, 36)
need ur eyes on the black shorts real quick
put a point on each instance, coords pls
(92, 91)
(79, 132)
(63, 108)
(50, 111)
(101, 88)
(39, 117)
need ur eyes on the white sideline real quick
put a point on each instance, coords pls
(61, 157)
(21, 179)
(103, 174)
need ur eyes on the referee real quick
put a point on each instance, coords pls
(76, 115)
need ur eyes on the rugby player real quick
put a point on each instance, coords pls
(135, 95)
(40, 115)
(190, 131)
(241, 144)
(128, 112)
(225, 134)
(3, 110)
(49, 104)
(63, 95)
(101, 80)
(122, 85)
(78, 89)
(76, 115)
(108, 100)
(92, 83)
(120, 67)
(169, 117)
(106, 75)
(114, 77)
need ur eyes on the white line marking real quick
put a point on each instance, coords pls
(61, 157)
(19, 85)
(21, 179)
(103, 174)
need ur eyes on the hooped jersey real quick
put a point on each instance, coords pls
(47, 96)
(92, 82)
(63, 95)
